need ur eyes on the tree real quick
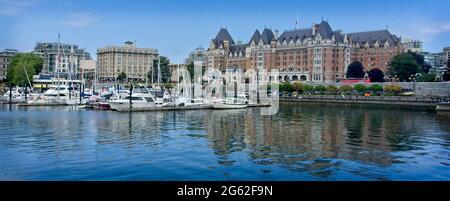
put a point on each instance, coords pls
(446, 76)
(355, 70)
(22, 68)
(376, 75)
(166, 74)
(403, 66)
(420, 60)
(122, 76)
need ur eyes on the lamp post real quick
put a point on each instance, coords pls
(413, 77)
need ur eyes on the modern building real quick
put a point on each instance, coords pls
(446, 59)
(435, 60)
(318, 54)
(60, 57)
(136, 63)
(412, 45)
(5, 58)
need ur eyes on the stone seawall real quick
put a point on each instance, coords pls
(425, 102)
(420, 88)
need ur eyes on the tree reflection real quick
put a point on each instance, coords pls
(310, 137)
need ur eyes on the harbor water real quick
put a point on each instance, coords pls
(303, 142)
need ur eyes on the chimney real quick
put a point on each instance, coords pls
(314, 29)
(276, 32)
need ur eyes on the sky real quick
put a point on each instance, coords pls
(176, 27)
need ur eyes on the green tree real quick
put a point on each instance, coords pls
(166, 74)
(122, 77)
(420, 60)
(446, 76)
(22, 68)
(376, 75)
(355, 70)
(403, 66)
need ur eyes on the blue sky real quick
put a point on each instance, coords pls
(176, 27)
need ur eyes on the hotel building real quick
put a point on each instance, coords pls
(318, 54)
(135, 62)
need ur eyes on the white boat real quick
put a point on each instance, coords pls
(57, 95)
(139, 101)
(231, 103)
(228, 106)
(17, 96)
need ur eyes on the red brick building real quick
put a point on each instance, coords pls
(318, 54)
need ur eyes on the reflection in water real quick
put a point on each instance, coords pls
(301, 142)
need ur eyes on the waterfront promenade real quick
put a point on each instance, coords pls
(410, 101)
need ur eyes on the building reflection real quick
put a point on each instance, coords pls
(315, 138)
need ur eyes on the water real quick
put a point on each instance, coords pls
(302, 142)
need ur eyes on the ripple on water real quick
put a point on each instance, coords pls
(301, 142)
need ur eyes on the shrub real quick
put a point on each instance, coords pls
(320, 88)
(427, 78)
(345, 89)
(360, 87)
(297, 86)
(286, 87)
(392, 89)
(375, 88)
(167, 86)
(307, 88)
(332, 89)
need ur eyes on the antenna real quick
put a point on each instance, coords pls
(296, 20)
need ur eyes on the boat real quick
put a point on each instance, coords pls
(17, 96)
(56, 95)
(139, 101)
(231, 103)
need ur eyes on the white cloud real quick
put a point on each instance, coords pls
(427, 31)
(79, 20)
(15, 7)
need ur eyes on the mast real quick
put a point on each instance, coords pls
(58, 56)
(159, 70)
